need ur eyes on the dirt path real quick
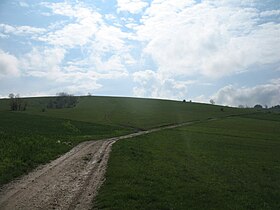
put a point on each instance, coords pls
(69, 182)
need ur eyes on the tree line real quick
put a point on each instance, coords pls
(62, 100)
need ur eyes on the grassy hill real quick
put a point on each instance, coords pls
(133, 112)
(32, 137)
(231, 162)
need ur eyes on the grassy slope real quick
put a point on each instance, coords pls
(226, 164)
(29, 140)
(135, 112)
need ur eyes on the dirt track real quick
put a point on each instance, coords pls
(69, 182)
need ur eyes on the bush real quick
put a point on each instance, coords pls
(63, 100)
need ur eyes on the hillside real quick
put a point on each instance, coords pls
(131, 112)
(224, 157)
(35, 136)
(230, 163)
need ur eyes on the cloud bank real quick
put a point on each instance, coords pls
(267, 94)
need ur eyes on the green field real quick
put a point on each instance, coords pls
(131, 112)
(29, 140)
(232, 163)
(32, 137)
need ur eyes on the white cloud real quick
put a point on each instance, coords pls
(89, 30)
(151, 84)
(110, 38)
(23, 4)
(8, 65)
(20, 30)
(270, 13)
(132, 6)
(43, 62)
(267, 94)
(104, 51)
(176, 39)
(49, 63)
(3, 35)
(212, 39)
(77, 33)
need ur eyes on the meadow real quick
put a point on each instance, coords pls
(131, 112)
(29, 140)
(230, 163)
(35, 136)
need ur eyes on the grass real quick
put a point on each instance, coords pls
(33, 137)
(131, 112)
(29, 140)
(231, 163)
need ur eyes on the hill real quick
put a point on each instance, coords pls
(132, 112)
(229, 156)
(38, 135)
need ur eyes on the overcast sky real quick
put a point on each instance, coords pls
(227, 50)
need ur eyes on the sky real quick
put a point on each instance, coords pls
(225, 50)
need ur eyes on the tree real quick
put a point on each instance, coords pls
(16, 103)
(11, 95)
(63, 100)
(212, 102)
(258, 106)
(13, 105)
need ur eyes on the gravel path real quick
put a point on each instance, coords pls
(69, 182)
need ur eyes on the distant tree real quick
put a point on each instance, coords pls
(190, 101)
(63, 100)
(212, 101)
(16, 103)
(24, 106)
(13, 105)
(184, 100)
(275, 108)
(241, 106)
(258, 106)
(11, 95)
